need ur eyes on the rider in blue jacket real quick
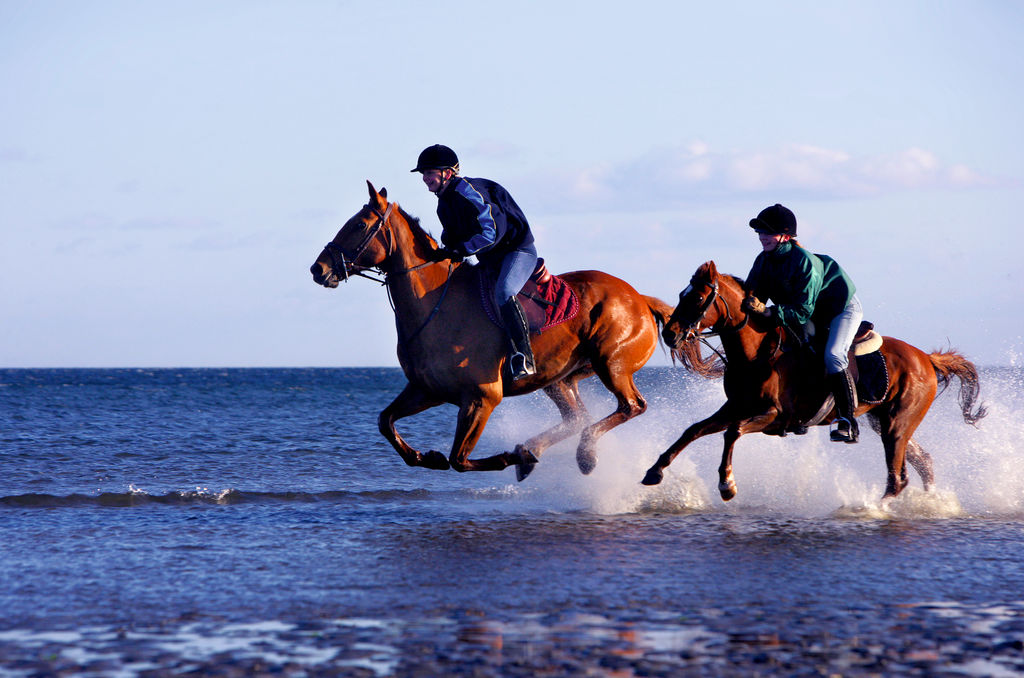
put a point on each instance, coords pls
(480, 218)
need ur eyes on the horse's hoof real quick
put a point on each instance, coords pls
(587, 461)
(435, 460)
(727, 489)
(523, 470)
(653, 477)
(527, 462)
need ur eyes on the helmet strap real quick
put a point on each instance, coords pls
(446, 180)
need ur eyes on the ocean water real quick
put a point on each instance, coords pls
(247, 521)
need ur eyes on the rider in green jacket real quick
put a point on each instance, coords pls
(810, 291)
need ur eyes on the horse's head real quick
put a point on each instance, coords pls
(696, 310)
(363, 243)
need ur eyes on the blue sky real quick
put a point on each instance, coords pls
(169, 170)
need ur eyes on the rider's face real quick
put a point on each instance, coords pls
(435, 179)
(770, 241)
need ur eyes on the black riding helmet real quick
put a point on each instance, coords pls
(437, 157)
(777, 220)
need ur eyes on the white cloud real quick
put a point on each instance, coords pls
(675, 174)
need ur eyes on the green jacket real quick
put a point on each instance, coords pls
(804, 286)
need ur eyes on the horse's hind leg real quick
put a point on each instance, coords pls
(566, 396)
(410, 401)
(922, 463)
(630, 404)
(897, 426)
(915, 454)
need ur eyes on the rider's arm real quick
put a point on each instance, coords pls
(753, 285)
(487, 220)
(804, 281)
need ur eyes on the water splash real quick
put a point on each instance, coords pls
(979, 470)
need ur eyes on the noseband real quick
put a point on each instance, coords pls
(340, 259)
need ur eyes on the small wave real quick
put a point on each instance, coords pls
(200, 496)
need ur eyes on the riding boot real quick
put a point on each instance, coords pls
(520, 360)
(846, 430)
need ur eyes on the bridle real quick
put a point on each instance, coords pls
(724, 319)
(723, 322)
(340, 260)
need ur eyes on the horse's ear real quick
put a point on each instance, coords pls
(374, 196)
(712, 269)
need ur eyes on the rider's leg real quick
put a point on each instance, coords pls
(520, 361)
(840, 336)
(516, 269)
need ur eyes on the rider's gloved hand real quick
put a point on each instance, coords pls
(445, 253)
(755, 306)
(752, 304)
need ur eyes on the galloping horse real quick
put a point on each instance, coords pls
(771, 391)
(451, 352)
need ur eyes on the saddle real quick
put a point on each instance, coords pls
(867, 364)
(546, 299)
(867, 367)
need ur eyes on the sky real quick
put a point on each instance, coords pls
(170, 170)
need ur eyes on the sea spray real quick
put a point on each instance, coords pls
(979, 469)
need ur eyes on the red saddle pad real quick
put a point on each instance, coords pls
(547, 299)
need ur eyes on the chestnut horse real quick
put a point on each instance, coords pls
(451, 352)
(771, 391)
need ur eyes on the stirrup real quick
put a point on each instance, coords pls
(844, 432)
(520, 366)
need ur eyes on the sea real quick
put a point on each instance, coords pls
(230, 522)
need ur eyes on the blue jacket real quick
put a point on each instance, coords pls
(480, 217)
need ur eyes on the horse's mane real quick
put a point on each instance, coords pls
(417, 229)
(738, 280)
(704, 271)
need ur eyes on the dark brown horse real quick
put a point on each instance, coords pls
(770, 391)
(451, 352)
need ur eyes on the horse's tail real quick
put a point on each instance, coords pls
(687, 352)
(952, 364)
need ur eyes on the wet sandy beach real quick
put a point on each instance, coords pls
(925, 640)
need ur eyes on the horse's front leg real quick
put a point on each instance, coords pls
(412, 400)
(726, 481)
(473, 416)
(713, 424)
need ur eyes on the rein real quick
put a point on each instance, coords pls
(433, 312)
